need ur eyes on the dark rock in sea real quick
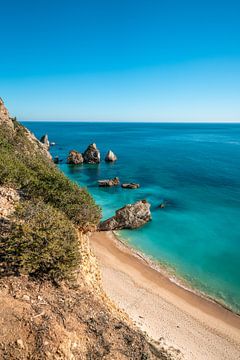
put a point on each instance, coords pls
(74, 157)
(162, 205)
(44, 140)
(110, 157)
(130, 186)
(131, 216)
(109, 182)
(91, 155)
(56, 160)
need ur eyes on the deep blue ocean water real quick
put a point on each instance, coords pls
(195, 167)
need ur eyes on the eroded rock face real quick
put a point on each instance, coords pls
(44, 140)
(75, 157)
(108, 183)
(92, 155)
(131, 216)
(8, 200)
(110, 157)
(130, 186)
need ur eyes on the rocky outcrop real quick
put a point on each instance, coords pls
(75, 157)
(131, 216)
(130, 186)
(92, 155)
(13, 128)
(8, 199)
(110, 157)
(5, 119)
(44, 140)
(109, 182)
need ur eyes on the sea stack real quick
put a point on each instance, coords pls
(74, 158)
(44, 140)
(131, 216)
(91, 155)
(110, 157)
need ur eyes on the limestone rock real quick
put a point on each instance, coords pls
(92, 155)
(109, 182)
(110, 157)
(74, 157)
(44, 140)
(130, 186)
(131, 216)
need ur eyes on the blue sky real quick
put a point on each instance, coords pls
(121, 60)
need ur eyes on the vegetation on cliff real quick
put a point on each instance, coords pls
(40, 238)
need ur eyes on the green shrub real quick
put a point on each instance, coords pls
(39, 178)
(40, 242)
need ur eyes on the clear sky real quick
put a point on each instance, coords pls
(121, 60)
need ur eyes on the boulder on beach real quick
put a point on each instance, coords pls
(130, 186)
(44, 140)
(110, 157)
(109, 182)
(91, 155)
(131, 216)
(74, 157)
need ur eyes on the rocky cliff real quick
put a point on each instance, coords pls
(51, 302)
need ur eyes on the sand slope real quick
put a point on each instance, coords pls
(171, 315)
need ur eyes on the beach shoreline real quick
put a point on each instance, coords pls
(161, 306)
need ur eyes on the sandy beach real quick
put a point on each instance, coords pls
(189, 325)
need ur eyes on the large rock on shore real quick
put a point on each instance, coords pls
(110, 157)
(131, 216)
(108, 183)
(75, 157)
(92, 155)
(44, 140)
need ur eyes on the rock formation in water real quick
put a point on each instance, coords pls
(92, 155)
(130, 186)
(44, 140)
(131, 216)
(110, 157)
(75, 158)
(109, 182)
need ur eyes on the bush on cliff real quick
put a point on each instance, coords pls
(38, 178)
(41, 241)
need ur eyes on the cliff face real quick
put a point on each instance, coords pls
(51, 302)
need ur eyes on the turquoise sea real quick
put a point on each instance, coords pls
(195, 167)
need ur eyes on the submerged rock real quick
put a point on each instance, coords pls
(74, 157)
(44, 140)
(110, 157)
(109, 182)
(130, 186)
(91, 155)
(131, 216)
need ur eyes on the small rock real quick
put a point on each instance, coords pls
(56, 160)
(26, 298)
(75, 157)
(109, 182)
(20, 344)
(130, 186)
(110, 157)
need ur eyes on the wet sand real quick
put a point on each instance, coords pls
(171, 315)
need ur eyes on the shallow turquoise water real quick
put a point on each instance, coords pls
(196, 167)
